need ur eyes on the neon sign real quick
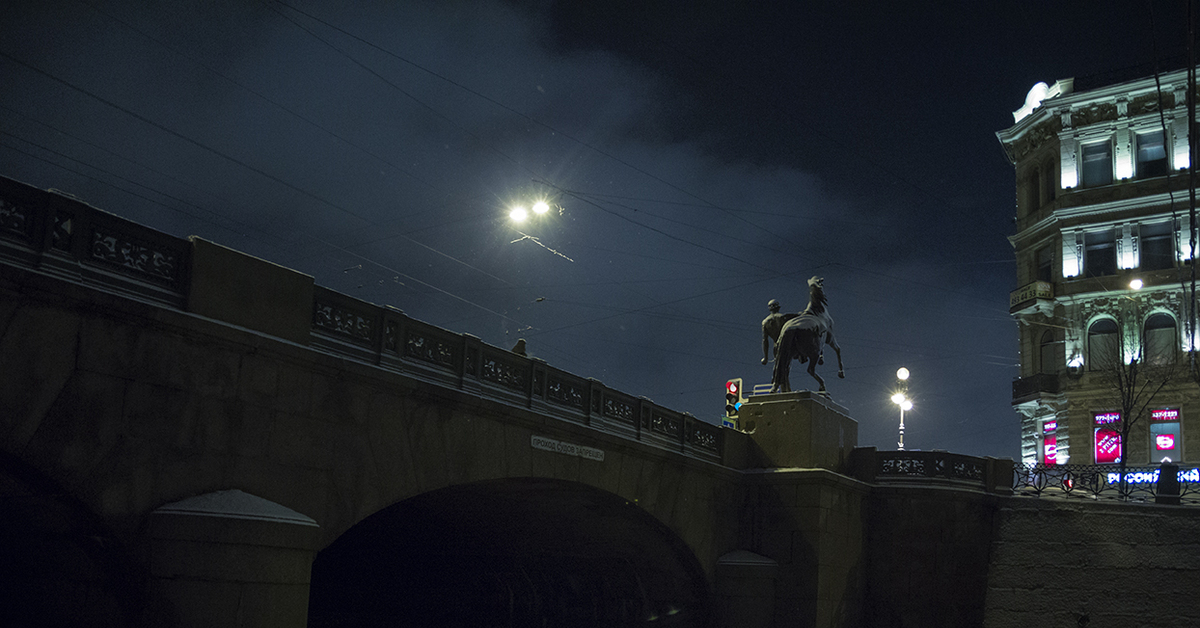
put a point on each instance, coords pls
(1105, 418)
(1164, 415)
(1049, 426)
(1163, 442)
(1147, 477)
(1108, 446)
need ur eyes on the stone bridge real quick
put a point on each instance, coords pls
(190, 436)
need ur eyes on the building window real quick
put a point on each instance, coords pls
(1045, 261)
(1108, 440)
(1102, 344)
(1159, 339)
(1100, 254)
(1158, 245)
(1049, 181)
(1097, 164)
(1048, 361)
(1151, 155)
(1033, 192)
(1049, 449)
(1165, 443)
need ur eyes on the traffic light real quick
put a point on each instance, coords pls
(733, 396)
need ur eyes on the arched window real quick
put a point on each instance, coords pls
(1159, 339)
(1048, 361)
(1103, 344)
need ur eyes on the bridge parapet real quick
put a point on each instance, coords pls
(54, 234)
(68, 238)
(991, 475)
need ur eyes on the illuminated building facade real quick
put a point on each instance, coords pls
(1103, 267)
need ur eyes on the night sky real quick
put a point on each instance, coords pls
(700, 159)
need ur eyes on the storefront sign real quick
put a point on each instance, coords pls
(1035, 290)
(1108, 446)
(1149, 477)
(1164, 415)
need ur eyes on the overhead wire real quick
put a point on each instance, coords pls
(634, 311)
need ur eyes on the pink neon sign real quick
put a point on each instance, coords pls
(1164, 415)
(1164, 442)
(1108, 446)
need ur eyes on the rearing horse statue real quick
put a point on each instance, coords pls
(801, 339)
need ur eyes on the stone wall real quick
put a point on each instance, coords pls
(928, 552)
(129, 406)
(1084, 563)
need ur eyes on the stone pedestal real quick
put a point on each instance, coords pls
(230, 559)
(798, 429)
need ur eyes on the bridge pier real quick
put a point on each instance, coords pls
(230, 559)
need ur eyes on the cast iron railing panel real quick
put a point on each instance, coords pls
(1099, 482)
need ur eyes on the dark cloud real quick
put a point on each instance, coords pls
(705, 158)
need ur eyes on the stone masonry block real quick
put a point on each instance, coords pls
(37, 350)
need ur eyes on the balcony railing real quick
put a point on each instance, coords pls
(1025, 388)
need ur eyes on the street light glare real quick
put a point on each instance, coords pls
(902, 374)
(540, 207)
(906, 405)
(1136, 284)
(518, 214)
(898, 399)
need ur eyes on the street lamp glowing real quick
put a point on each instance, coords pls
(518, 214)
(540, 207)
(1136, 284)
(901, 399)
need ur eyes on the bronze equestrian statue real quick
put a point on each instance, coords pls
(801, 339)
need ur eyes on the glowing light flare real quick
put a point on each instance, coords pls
(540, 207)
(906, 405)
(1136, 284)
(902, 374)
(518, 214)
(898, 398)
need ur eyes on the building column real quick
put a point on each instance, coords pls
(230, 559)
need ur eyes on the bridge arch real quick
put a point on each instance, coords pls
(510, 552)
(62, 566)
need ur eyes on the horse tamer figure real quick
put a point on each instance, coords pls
(801, 339)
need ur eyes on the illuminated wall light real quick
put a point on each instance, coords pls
(1070, 266)
(1182, 159)
(1128, 260)
(1069, 178)
(1124, 169)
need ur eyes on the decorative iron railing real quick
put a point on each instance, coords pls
(57, 235)
(1104, 482)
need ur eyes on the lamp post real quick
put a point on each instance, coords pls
(901, 399)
